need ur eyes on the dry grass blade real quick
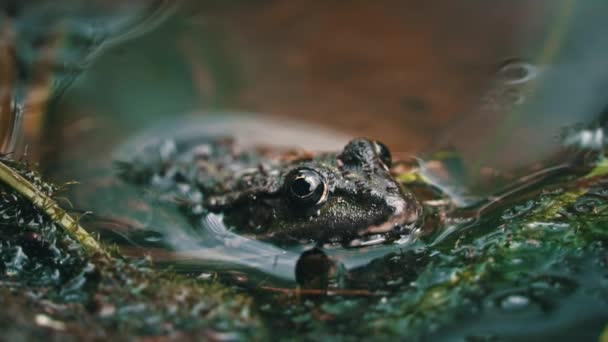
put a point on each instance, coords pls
(49, 206)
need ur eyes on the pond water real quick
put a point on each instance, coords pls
(501, 108)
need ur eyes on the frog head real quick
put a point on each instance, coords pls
(337, 197)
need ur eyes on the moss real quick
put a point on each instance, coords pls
(52, 286)
(533, 268)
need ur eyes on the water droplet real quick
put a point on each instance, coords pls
(517, 71)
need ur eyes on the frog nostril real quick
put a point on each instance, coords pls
(357, 152)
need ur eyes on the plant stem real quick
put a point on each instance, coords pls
(49, 206)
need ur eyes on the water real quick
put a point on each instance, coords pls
(534, 256)
(48, 45)
(209, 243)
(521, 251)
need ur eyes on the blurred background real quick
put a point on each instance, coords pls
(499, 82)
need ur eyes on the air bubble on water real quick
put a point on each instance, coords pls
(514, 302)
(516, 72)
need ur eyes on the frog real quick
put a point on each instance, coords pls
(285, 196)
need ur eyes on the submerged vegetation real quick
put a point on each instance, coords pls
(534, 266)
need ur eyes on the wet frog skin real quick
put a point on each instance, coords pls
(284, 196)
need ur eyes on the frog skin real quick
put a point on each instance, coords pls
(288, 197)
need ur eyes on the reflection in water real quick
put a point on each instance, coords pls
(533, 100)
(46, 44)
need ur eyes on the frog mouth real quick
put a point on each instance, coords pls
(403, 216)
(399, 224)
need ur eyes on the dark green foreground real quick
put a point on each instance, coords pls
(534, 267)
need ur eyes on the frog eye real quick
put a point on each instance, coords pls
(383, 153)
(306, 187)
